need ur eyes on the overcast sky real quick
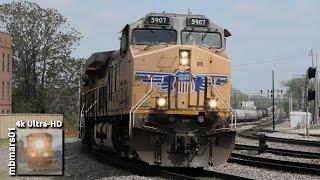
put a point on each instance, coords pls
(266, 35)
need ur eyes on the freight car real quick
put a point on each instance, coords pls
(164, 96)
(244, 115)
(39, 151)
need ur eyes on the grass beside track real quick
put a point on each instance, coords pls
(4, 142)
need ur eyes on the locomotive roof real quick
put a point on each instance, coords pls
(176, 15)
(98, 59)
(179, 22)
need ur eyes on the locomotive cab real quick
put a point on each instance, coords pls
(164, 97)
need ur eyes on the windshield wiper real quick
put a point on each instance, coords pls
(204, 36)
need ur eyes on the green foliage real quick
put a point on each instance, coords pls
(45, 76)
(296, 86)
(4, 142)
(236, 97)
(261, 102)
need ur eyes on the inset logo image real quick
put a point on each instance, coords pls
(39, 152)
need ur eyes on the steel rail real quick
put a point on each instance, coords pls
(274, 164)
(143, 169)
(282, 152)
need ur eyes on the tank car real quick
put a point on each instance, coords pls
(164, 96)
(39, 151)
(247, 115)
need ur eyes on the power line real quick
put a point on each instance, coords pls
(269, 61)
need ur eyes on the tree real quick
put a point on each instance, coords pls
(295, 86)
(43, 70)
(236, 97)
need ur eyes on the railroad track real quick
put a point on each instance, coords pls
(254, 133)
(279, 165)
(282, 152)
(143, 169)
(199, 173)
(294, 141)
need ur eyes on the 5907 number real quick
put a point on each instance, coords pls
(157, 20)
(198, 22)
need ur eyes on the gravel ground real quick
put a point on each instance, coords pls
(273, 156)
(78, 165)
(278, 145)
(3, 161)
(258, 173)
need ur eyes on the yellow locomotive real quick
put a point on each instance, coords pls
(164, 97)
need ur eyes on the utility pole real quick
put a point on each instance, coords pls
(302, 98)
(317, 91)
(273, 120)
(316, 101)
(290, 101)
(306, 132)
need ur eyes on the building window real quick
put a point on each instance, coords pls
(2, 90)
(8, 90)
(2, 111)
(8, 65)
(3, 62)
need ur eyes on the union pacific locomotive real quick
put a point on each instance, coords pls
(164, 96)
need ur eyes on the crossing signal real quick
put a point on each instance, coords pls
(311, 95)
(311, 72)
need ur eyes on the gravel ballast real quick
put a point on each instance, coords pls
(259, 173)
(78, 165)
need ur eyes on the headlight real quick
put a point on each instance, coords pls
(213, 103)
(33, 154)
(39, 144)
(184, 57)
(161, 101)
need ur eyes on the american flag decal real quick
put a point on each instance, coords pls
(181, 80)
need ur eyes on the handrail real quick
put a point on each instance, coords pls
(81, 116)
(227, 105)
(134, 109)
(90, 107)
(81, 112)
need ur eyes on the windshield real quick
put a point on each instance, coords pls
(209, 39)
(153, 36)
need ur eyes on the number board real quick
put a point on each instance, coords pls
(157, 20)
(197, 22)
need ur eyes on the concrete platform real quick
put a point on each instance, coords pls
(284, 130)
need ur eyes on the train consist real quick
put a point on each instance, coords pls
(246, 115)
(164, 96)
(39, 151)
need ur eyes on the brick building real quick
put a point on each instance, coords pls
(5, 73)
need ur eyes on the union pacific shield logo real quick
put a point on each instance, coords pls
(180, 80)
(183, 78)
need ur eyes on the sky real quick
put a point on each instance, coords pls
(266, 35)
